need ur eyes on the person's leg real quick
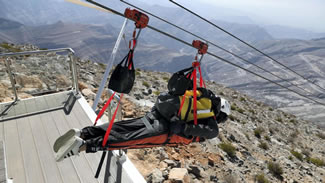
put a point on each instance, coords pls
(135, 132)
(92, 136)
(120, 132)
(138, 131)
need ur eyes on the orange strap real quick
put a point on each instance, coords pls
(109, 128)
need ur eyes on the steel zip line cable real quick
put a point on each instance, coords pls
(211, 54)
(223, 49)
(247, 44)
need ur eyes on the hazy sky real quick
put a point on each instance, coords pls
(307, 14)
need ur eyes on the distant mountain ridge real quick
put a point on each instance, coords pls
(9, 24)
(96, 41)
(157, 52)
(284, 32)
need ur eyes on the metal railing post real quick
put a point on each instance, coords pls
(71, 70)
(12, 79)
(74, 71)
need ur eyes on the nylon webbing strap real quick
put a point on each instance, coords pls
(201, 79)
(181, 106)
(194, 97)
(109, 128)
(147, 124)
(132, 44)
(98, 117)
(99, 168)
(103, 109)
(130, 59)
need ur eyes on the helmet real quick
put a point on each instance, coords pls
(225, 106)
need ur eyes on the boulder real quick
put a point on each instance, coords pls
(156, 176)
(197, 171)
(88, 93)
(179, 175)
(170, 162)
(163, 165)
(163, 155)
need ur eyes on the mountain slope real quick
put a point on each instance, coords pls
(256, 141)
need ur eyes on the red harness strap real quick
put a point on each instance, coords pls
(181, 106)
(195, 65)
(201, 78)
(132, 44)
(104, 108)
(100, 114)
(109, 128)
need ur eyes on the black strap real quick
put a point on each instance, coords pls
(124, 59)
(100, 164)
(189, 70)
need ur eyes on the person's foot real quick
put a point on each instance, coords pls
(69, 148)
(64, 138)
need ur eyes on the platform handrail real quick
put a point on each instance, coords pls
(36, 52)
(71, 55)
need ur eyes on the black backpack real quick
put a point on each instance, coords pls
(180, 82)
(122, 78)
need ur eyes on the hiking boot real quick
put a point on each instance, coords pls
(69, 148)
(68, 135)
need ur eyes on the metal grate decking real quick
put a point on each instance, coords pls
(28, 141)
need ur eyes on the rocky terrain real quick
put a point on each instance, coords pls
(256, 144)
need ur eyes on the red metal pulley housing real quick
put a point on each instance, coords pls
(202, 47)
(141, 20)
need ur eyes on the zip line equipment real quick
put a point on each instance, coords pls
(123, 76)
(211, 54)
(223, 49)
(247, 44)
(202, 49)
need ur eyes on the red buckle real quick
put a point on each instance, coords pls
(202, 47)
(141, 20)
(195, 64)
